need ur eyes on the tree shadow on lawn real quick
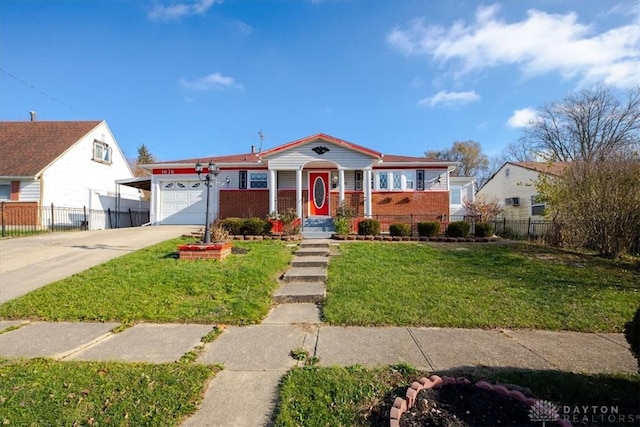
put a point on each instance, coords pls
(581, 398)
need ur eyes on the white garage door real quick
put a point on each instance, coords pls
(183, 202)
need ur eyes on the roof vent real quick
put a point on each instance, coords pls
(33, 115)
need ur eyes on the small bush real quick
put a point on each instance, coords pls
(458, 229)
(342, 225)
(289, 224)
(369, 227)
(232, 225)
(483, 229)
(430, 229)
(254, 226)
(400, 229)
(632, 334)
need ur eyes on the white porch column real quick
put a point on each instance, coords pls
(366, 186)
(273, 191)
(341, 187)
(299, 192)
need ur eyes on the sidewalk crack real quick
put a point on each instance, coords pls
(420, 349)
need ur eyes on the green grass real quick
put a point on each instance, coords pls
(41, 392)
(357, 396)
(152, 285)
(479, 286)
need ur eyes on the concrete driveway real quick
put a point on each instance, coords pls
(28, 263)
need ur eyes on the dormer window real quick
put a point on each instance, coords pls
(101, 152)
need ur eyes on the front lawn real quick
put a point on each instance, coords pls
(515, 285)
(44, 392)
(152, 285)
(358, 396)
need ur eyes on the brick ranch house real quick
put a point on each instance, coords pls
(313, 175)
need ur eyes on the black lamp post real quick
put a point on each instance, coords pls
(212, 170)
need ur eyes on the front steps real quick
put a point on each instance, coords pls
(317, 228)
(305, 281)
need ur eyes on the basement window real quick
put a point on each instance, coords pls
(101, 152)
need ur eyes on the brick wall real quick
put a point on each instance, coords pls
(255, 203)
(19, 213)
(419, 203)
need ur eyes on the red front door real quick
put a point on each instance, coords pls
(318, 193)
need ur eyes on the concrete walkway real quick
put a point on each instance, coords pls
(256, 357)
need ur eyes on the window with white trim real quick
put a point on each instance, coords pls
(101, 152)
(455, 195)
(401, 180)
(258, 180)
(537, 205)
(383, 181)
(5, 191)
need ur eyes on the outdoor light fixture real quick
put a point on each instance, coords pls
(212, 171)
(438, 180)
(227, 181)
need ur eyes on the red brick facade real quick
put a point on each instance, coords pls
(255, 203)
(20, 213)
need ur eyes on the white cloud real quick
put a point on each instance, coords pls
(211, 81)
(243, 27)
(541, 43)
(180, 10)
(449, 98)
(521, 118)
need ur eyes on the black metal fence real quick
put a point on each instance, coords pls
(19, 219)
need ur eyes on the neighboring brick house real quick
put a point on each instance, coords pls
(513, 185)
(70, 164)
(313, 175)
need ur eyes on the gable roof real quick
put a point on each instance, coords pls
(26, 148)
(552, 168)
(329, 138)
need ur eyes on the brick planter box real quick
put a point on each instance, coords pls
(218, 250)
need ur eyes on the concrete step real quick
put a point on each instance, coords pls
(310, 261)
(294, 313)
(313, 292)
(319, 243)
(312, 252)
(305, 275)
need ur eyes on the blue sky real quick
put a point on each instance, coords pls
(200, 78)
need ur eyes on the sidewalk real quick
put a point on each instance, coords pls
(256, 357)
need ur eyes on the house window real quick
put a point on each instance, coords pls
(537, 206)
(242, 180)
(506, 173)
(5, 191)
(258, 180)
(456, 195)
(512, 201)
(408, 180)
(101, 152)
(420, 180)
(397, 181)
(383, 181)
(358, 179)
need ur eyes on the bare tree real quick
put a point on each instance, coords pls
(596, 204)
(588, 125)
(468, 153)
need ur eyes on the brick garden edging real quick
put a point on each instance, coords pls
(401, 405)
(387, 238)
(217, 250)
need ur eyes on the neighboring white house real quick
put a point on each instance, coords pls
(71, 164)
(514, 188)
